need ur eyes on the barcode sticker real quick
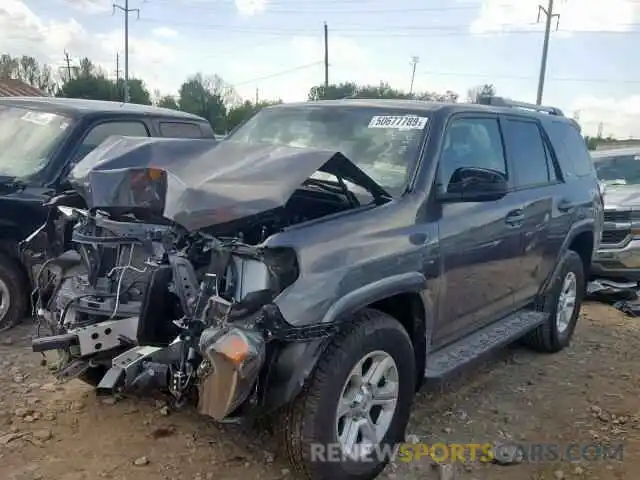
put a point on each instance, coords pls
(404, 122)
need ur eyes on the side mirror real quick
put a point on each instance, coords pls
(475, 184)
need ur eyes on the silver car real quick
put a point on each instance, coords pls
(619, 254)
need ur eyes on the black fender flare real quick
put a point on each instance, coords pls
(586, 225)
(295, 361)
(374, 291)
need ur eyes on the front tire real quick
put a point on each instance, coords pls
(360, 394)
(563, 302)
(14, 294)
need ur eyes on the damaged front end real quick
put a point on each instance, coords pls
(205, 326)
(224, 336)
(89, 298)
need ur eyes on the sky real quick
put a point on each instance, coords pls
(275, 48)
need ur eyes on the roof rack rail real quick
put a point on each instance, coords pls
(504, 102)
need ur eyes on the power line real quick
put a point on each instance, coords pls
(126, 11)
(383, 32)
(522, 77)
(278, 74)
(310, 11)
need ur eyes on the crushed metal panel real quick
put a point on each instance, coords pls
(201, 183)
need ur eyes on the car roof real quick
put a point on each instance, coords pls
(81, 107)
(615, 152)
(417, 106)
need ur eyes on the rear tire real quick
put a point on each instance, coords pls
(373, 341)
(14, 294)
(555, 333)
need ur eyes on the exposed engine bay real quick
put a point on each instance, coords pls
(142, 301)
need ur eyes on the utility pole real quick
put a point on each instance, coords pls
(545, 46)
(326, 56)
(126, 11)
(414, 62)
(68, 62)
(257, 94)
(118, 75)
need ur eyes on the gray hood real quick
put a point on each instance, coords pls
(201, 183)
(622, 196)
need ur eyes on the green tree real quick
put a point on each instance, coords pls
(382, 90)
(92, 87)
(28, 70)
(138, 92)
(476, 93)
(333, 91)
(168, 101)
(238, 114)
(205, 96)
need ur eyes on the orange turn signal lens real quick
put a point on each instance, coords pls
(234, 347)
(154, 173)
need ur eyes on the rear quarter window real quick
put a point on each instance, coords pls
(570, 149)
(180, 130)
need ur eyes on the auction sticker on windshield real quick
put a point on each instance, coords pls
(39, 118)
(404, 122)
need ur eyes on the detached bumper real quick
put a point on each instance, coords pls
(619, 262)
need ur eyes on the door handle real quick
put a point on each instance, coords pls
(565, 205)
(514, 218)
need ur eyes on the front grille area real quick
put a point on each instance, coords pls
(617, 215)
(614, 236)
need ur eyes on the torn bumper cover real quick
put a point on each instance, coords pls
(198, 183)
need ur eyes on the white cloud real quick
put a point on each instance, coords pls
(22, 32)
(165, 32)
(575, 15)
(251, 7)
(91, 6)
(619, 117)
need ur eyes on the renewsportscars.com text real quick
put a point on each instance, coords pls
(464, 452)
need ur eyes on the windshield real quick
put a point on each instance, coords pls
(383, 143)
(27, 138)
(619, 170)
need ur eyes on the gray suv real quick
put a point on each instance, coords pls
(435, 234)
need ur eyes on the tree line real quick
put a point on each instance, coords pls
(208, 96)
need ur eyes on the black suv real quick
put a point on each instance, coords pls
(40, 140)
(328, 257)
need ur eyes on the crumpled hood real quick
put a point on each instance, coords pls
(201, 183)
(622, 196)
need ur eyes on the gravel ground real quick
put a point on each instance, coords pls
(588, 393)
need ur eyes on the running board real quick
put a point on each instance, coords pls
(475, 347)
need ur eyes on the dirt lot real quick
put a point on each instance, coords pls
(589, 393)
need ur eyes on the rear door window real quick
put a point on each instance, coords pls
(180, 130)
(570, 148)
(526, 149)
(102, 131)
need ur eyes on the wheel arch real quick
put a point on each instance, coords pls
(400, 296)
(580, 239)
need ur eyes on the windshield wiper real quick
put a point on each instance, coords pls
(339, 187)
